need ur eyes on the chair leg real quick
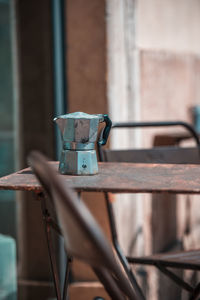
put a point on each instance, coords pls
(175, 278)
(196, 293)
(111, 218)
(119, 251)
(109, 284)
(50, 249)
(66, 282)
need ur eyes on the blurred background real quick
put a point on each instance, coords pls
(136, 60)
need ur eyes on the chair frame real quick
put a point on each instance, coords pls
(109, 271)
(51, 226)
(195, 291)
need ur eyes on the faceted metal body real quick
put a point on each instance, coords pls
(79, 134)
(78, 162)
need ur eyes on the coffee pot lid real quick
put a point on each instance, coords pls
(81, 115)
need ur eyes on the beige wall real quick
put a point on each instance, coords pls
(167, 36)
(171, 25)
(169, 87)
(153, 74)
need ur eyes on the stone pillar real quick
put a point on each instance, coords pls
(86, 81)
(124, 105)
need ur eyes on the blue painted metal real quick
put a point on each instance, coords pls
(7, 198)
(59, 53)
(60, 91)
(196, 118)
(8, 274)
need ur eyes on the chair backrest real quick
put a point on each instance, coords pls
(165, 155)
(161, 155)
(82, 236)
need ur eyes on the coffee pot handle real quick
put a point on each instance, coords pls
(102, 141)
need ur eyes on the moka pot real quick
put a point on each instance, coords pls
(79, 134)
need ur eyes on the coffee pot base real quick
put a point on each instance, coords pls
(75, 162)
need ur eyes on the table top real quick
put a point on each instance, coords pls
(119, 178)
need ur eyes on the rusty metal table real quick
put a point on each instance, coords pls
(118, 178)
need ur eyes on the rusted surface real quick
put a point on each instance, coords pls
(167, 139)
(120, 178)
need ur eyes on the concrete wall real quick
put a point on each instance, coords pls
(86, 56)
(168, 25)
(153, 74)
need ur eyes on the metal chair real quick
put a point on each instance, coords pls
(182, 259)
(82, 236)
(51, 227)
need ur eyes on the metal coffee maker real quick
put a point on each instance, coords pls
(79, 134)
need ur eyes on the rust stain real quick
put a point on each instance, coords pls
(119, 178)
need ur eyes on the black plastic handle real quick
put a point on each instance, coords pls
(106, 131)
